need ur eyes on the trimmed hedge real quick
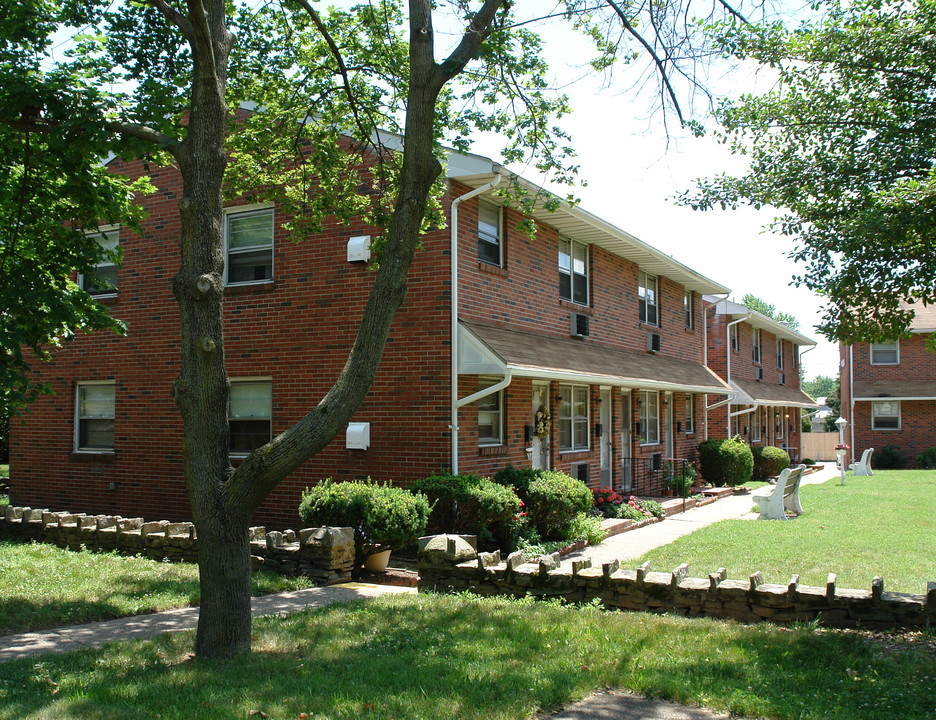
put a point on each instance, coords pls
(726, 462)
(383, 517)
(769, 461)
(890, 457)
(466, 503)
(552, 500)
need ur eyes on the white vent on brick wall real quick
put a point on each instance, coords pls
(579, 325)
(653, 342)
(359, 248)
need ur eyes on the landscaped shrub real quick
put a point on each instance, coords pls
(607, 502)
(383, 517)
(808, 461)
(769, 461)
(726, 462)
(552, 499)
(466, 503)
(679, 478)
(925, 460)
(584, 527)
(890, 457)
(517, 478)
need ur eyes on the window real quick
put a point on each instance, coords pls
(690, 414)
(489, 232)
(734, 338)
(687, 308)
(794, 351)
(649, 417)
(647, 297)
(885, 415)
(250, 414)
(756, 425)
(94, 416)
(573, 271)
(885, 353)
(104, 282)
(248, 237)
(755, 341)
(573, 417)
(780, 420)
(779, 354)
(490, 412)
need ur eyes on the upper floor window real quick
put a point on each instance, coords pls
(489, 232)
(648, 298)
(756, 345)
(885, 415)
(794, 351)
(94, 416)
(573, 417)
(490, 415)
(248, 241)
(734, 338)
(649, 417)
(687, 308)
(250, 414)
(573, 271)
(779, 354)
(885, 353)
(104, 282)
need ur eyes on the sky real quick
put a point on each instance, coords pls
(634, 166)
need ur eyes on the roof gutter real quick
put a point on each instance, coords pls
(453, 423)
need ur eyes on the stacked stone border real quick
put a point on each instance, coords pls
(451, 563)
(326, 555)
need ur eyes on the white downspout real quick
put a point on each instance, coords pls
(487, 391)
(453, 423)
(705, 309)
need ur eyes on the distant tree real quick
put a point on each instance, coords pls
(807, 424)
(765, 308)
(819, 386)
(834, 401)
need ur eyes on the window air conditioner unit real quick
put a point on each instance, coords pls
(580, 471)
(579, 325)
(783, 378)
(656, 462)
(758, 373)
(653, 342)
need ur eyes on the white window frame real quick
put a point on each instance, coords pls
(262, 380)
(497, 239)
(781, 423)
(498, 411)
(885, 347)
(643, 291)
(690, 414)
(756, 354)
(735, 343)
(779, 354)
(254, 209)
(110, 232)
(688, 307)
(794, 352)
(756, 425)
(79, 418)
(875, 415)
(570, 273)
(577, 425)
(649, 400)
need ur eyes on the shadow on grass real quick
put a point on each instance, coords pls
(450, 657)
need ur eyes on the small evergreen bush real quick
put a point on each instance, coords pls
(925, 460)
(726, 462)
(553, 499)
(517, 478)
(890, 457)
(584, 527)
(769, 461)
(808, 461)
(466, 503)
(383, 517)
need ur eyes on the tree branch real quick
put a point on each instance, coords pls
(144, 133)
(176, 18)
(478, 30)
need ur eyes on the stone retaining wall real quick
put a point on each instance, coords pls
(450, 563)
(324, 554)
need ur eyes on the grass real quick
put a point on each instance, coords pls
(411, 657)
(44, 586)
(870, 526)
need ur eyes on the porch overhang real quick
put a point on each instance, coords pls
(494, 350)
(870, 391)
(754, 392)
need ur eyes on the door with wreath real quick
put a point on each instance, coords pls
(538, 451)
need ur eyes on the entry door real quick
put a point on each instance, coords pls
(539, 446)
(627, 476)
(605, 439)
(668, 402)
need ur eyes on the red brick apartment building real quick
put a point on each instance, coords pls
(580, 349)
(889, 391)
(760, 358)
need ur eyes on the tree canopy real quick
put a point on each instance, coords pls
(843, 146)
(765, 308)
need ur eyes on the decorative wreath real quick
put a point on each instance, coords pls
(543, 422)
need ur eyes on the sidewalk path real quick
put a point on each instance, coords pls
(75, 637)
(634, 543)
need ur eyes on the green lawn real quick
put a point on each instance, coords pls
(45, 586)
(880, 525)
(410, 657)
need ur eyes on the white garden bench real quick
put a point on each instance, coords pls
(776, 501)
(863, 466)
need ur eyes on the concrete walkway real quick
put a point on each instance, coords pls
(138, 627)
(634, 543)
